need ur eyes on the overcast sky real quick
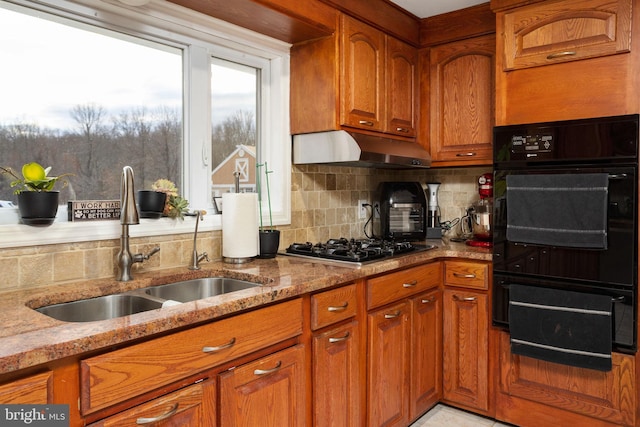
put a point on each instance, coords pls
(34, 87)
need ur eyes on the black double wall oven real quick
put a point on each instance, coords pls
(565, 238)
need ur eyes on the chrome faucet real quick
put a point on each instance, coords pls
(195, 258)
(128, 216)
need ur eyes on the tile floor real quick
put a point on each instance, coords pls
(446, 416)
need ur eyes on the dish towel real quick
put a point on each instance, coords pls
(566, 210)
(567, 327)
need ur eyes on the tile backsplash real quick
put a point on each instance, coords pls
(324, 203)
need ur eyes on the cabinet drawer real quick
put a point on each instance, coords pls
(333, 306)
(466, 274)
(395, 286)
(34, 389)
(181, 408)
(122, 374)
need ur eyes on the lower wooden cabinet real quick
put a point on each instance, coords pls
(34, 389)
(466, 348)
(337, 386)
(426, 352)
(192, 406)
(389, 365)
(269, 392)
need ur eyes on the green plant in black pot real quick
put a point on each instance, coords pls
(269, 238)
(37, 199)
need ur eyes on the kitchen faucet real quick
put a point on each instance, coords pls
(128, 216)
(195, 258)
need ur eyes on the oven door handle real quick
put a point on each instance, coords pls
(618, 176)
(617, 299)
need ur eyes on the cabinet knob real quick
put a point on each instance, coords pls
(220, 347)
(268, 371)
(469, 154)
(169, 413)
(339, 339)
(403, 130)
(366, 122)
(467, 299)
(427, 300)
(464, 276)
(410, 284)
(393, 315)
(342, 307)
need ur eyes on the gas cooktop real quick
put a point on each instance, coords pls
(354, 251)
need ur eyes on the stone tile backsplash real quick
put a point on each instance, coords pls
(323, 205)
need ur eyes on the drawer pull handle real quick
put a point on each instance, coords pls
(410, 284)
(339, 339)
(464, 276)
(467, 299)
(403, 130)
(392, 315)
(342, 307)
(469, 154)
(220, 347)
(268, 371)
(561, 54)
(164, 416)
(428, 300)
(366, 122)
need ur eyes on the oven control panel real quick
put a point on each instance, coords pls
(532, 144)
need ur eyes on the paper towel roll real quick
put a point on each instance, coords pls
(240, 237)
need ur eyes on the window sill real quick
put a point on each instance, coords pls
(19, 235)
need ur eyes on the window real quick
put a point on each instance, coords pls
(174, 94)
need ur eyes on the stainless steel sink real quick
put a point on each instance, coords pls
(100, 308)
(195, 289)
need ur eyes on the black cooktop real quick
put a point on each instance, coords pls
(354, 250)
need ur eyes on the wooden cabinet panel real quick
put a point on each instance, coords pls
(466, 348)
(122, 374)
(388, 368)
(560, 31)
(462, 101)
(426, 352)
(395, 286)
(192, 406)
(333, 306)
(402, 62)
(337, 384)
(363, 71)
(269, 392)
(34, 389)
(563, 394)
(466, 274)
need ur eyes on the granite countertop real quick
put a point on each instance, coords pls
(29, 338)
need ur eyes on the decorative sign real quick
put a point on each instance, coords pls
(93, 210)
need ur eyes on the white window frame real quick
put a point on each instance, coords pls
(205, 37)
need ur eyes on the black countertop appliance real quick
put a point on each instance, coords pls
(403, 211)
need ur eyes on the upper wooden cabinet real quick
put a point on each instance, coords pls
(462, 102)
(360, 78)
(559, 31)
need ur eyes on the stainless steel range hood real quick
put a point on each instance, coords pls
(342, 148)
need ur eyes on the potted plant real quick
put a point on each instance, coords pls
(37, 200)
(269, 238)
(174, 205)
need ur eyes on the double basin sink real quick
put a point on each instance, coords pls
(145, 299)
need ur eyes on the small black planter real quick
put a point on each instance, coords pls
(38, 208)
(269, 243)
(151, 203)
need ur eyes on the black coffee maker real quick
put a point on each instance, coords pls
(403, 211)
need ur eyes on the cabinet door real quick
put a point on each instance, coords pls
(426, 352)
(466, 345)
(362, 75)
(35, 389)
(402, 60)
(551, 32)
(192, 406)
(389, 364)
(269, 392)
(337, 384)
(462, 101)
